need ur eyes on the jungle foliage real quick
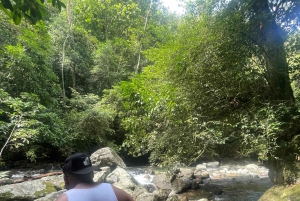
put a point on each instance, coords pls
(221, 80)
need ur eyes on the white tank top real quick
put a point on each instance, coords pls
(101, 192)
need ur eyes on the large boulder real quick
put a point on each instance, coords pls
(30, 190)
(122, 179)
(100, 176)
(162, 181)
(106, 157)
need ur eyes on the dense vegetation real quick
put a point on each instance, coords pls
(219, 81)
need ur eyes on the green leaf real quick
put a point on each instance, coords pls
(62, 4)
(17, 18)
(40, 2)
(7, 4)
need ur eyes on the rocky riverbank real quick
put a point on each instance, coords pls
(206, 181)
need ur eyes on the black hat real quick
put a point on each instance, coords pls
(78, 163)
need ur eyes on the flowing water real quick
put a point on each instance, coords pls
(238, 182)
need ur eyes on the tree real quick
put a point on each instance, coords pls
(266, 29)
(230, 77)
(32, 11)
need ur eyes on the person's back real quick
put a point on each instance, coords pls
(101, 192)
(78, 176)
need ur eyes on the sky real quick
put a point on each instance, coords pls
(173, 5)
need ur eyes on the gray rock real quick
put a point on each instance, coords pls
(173, 198)
(202, 175)
(100, 176)
(106, 157)
(141, 194)
(122, 179)
(181, 184)
(201, 167)
(162, 193)
(187, 172)
(212, 164)
(30, 190)
(52, 196)
(162, 181)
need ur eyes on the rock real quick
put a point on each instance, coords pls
(173, 198)
(202, 175)
(141, 194)
(52, 196)
(107, 157)
(181, 184)
(122, 179)
(214, 189)
(162, 181)
(30, 190)
(195, 184)
(279, 193)
(150, 187)
(5, 174)
(212, 164)
(100, 176)
(162, 193)
(5, 181)
(201, 167)
(148, 197)
(187, 172)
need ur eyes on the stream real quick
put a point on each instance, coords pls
(239, 182)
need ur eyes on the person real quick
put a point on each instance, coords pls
(78, 176)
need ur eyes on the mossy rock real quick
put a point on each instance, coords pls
(31, 190)
(282, 193)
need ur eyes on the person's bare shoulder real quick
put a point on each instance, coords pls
(121, 195)
(62, 197)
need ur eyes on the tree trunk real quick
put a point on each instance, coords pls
(282, 162)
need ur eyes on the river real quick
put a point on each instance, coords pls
(239, 182)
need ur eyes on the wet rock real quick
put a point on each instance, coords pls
(150, 187)
(5, 174)
(212, 188)
(195, 184)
